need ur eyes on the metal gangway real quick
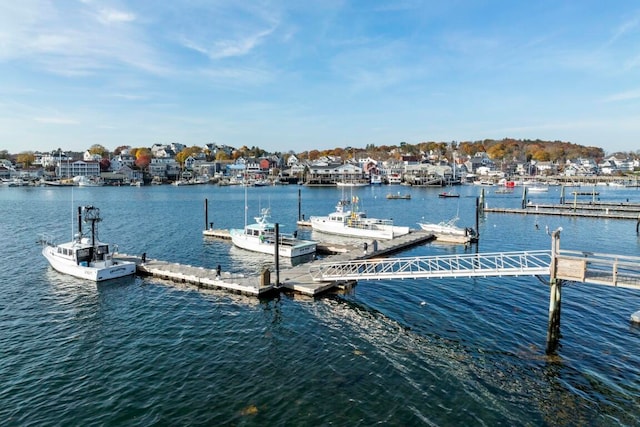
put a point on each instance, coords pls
(575, 266)
(559, 265)
(521, 263)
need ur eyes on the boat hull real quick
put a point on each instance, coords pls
(289, 248)
(371, 230)
(96, 272)
(443, 230)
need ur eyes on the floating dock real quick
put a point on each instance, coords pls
(202, 277)
(299, 280)
(296, 279)
(587, 210)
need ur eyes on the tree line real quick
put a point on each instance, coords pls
(506, 149)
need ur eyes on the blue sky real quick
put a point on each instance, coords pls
(298, 75)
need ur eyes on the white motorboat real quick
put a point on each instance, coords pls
(85, 256)
(84, 181)
(448, 229)
(355, 223)
(376, 179)
(352, 183)
(261, 237)
(537, 188)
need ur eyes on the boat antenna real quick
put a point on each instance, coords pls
(246, 208)
(73, 216)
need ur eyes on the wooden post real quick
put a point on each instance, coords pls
(524, 197)
(481, 204)
(555, 296)
(299, 205)
(277, 254)
(206, 213)
(562, 195)
(477, 219)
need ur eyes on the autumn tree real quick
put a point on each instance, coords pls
(143, 157)
(105, 163)
(99, 150)
(120, 149)
(222, 155)
(181, 157)
(26, 158)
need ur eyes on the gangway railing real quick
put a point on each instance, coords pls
(463, 265)
(560, 265)
(597, 268)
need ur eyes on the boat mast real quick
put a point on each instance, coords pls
(79, 223)
(246, 208)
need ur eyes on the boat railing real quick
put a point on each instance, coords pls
(369, 223)
(46, 239)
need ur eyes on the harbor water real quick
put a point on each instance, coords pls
(465, 351)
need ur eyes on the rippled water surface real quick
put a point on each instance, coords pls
(408, 352)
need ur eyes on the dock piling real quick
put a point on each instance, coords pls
(277, 253)
(206, 213)
(555, 296)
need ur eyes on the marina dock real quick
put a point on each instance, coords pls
(202, 277)
(605, 210)
(296, 279)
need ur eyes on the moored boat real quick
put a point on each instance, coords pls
(355, 223)
(261, 237)
(446, 194)
(392, 196)
(446, 230)
(86, 257)
(538, 189)
(352, 183)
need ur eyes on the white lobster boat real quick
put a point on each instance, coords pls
(354, 223)
(261, 237)
(86, 257)
(449, 231)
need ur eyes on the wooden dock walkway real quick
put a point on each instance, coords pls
(295, 279)
(606, 210)
(299, 279)
(202, 277)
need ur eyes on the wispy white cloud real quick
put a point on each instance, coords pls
(226, 48)
(74, 40)
(624, 96)
(109, 16)
(625, 28)
(56, 120)
(128, 96)
(238, 77)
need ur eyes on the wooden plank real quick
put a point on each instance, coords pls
(571, 269)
